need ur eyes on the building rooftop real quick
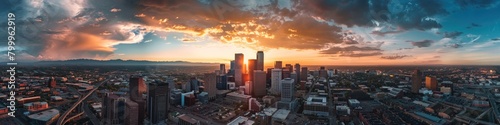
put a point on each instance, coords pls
(186, 118)
(240, 120)
(353, 101)
(45, 115)
(281, 114)
(316, 100)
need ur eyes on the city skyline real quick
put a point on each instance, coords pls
(363, 33)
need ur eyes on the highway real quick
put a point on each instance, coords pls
(61, 120)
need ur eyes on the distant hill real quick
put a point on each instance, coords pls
(113, 62)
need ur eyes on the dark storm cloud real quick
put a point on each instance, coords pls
(420, 44)
(363, 12)
(381, 33)
(338, 50)
(363, 54)
(394, 57)
(452, 34)
(495, 39)
(475, 3)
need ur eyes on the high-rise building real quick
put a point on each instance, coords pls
(259, 83)
(51, 83)
(131, 113)
(276, 81)
(222, 82)
(248, 88)
(431, 83)
(194, 85)
(278, 65)
(293, 76)
(260, 61)
(136, 88)
(416, 81)
(251, 67)
(285, 73)
(222, 68)
(238, 69)
(303, 73)
(158, 102)
(323, 72)
(231, 68)
(114, 109)
(287, 89)
(289, 67)
(210, 85)
(297, 70)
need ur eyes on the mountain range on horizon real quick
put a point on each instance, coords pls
(112, 62)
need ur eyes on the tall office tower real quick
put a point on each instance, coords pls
(51, 83)
(251, 67)
(416, 81)
(171, 82)
(158, 102)
(114, 109)
(231, 68)
(278, 65)
(248, 88)
(194, 85)
(287, 89)
(322, 72)
(259, 85)
(131, 113)
(238, 69)
(136, 88)
(260, 61)
(297, 70)
(285, 73)
(222, 68)
(275, 81)
(289, 67)
(431, 83)
(221, 82)
(293, 76)
(210, 85)
(303, 73)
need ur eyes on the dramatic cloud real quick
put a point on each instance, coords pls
(420, 44)
(393, 57)
(495, 39)
(452, 34)
(352, 51)
(475, 3)
(381, 33)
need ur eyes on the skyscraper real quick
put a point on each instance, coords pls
(251, 68)
(260, 61)
(431, 83)
(303, 73)
(293, 75)
(287, 89)
(222, 68)
(210, 85)
(248, 88)
(322, 72)
(136, 88)
(238, 69)
(297, 70)
(114, 109)
(289, 67)
(259, 83)
(275, 81)
(222, 82)
(416, 81)
(278, 65)
(158, 102)
(131, 113)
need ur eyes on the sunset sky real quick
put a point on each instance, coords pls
(312, 32)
